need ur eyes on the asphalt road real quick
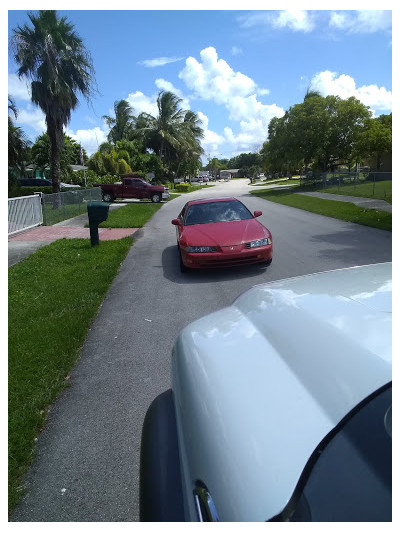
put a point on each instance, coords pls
(87, 462)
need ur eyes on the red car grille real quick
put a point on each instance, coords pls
(225, 262)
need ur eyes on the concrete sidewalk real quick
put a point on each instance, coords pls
(367, 203)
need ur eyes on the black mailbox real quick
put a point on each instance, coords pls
(97, 212)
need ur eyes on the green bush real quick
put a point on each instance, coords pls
(13, 187)
(90, 175)
(28, 191)
(182, 187)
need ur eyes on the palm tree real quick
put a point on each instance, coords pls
(188, 154)
(18, 144)
(54, 58)
(123, 124)
(192, 124)
(164, 133)
(311, 94)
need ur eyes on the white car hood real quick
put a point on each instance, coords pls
(259, 384)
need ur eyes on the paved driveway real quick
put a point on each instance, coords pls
(88, 456)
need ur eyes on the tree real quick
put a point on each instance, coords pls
(310, 94)
(190, 150)
(376, 138)
(109, 160)
(173, 135)
(319, 132)
(69, 155)
(163, 133)
(54, 58)
(18, 144)
(123, 124)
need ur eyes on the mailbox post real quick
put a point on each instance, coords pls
(97, 212)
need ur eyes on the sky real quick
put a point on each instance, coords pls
(235, 68)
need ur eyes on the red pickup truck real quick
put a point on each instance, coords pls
(133, 187)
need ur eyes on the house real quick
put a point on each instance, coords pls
(33, 172)
(230, 173)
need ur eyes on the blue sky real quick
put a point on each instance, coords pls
(237, 69)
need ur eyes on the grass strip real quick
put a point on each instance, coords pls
(381, 191)
(330, 208)
(277, 182)
(54, 295)
(133, 215)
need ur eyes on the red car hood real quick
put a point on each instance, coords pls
(223, 233)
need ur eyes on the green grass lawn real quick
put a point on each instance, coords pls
(330, 208)
(366, 189)
(277, 182)
(133, 215)
(54, 296)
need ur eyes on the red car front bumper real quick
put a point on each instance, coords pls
(229, 257)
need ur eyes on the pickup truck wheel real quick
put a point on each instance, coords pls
(108, 197)
(156, 197)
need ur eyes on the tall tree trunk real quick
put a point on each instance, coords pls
(55, 132)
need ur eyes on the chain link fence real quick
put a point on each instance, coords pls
(378, 184)
(64, 205)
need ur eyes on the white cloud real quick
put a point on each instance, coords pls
(142, 103)
(212, 141)
(213, 79)
(236, 51)
(18, 88)
(203, 118)
(90, 139)
(368, 21)
(165, 85)
(32, 117)
(159, 61)
(296, 20)
(344, 86)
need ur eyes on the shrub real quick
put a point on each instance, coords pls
(13, 187)
(182, 187)
(28, 191)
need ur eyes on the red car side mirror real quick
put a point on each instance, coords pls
(176, 222)
(257, 214)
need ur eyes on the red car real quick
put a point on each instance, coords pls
(221, 232)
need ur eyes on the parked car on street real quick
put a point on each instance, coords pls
(220, 232)
(280, 408)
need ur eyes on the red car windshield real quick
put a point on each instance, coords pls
(211, 212)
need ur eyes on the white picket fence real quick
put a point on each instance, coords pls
(24, 212)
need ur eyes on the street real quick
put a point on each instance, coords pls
(88, 455)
